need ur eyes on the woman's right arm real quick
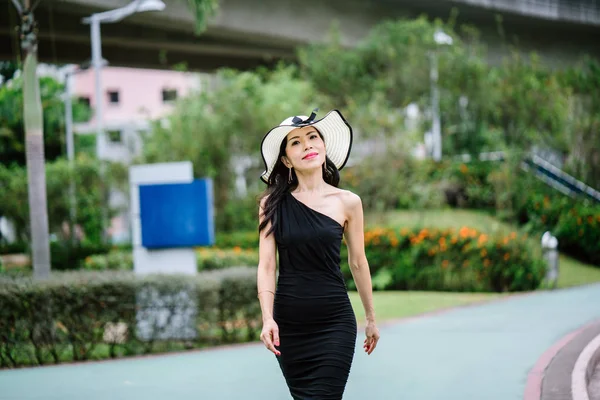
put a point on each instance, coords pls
(265, 283)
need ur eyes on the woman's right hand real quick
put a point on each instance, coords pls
(270, 336)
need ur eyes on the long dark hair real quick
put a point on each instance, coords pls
(279, 186)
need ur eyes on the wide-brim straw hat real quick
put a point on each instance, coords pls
(336, 131)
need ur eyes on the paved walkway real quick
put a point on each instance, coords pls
(480, 352)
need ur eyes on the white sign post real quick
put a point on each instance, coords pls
(181, 324)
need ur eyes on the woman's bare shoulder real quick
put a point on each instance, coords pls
(349, 199)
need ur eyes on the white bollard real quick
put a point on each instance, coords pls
(550, 251)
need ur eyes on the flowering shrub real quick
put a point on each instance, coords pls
(578, 233)
(575, 224)
(449, 259)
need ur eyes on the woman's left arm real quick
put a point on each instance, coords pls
(359, 266)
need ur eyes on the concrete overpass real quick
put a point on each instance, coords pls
(248, 33)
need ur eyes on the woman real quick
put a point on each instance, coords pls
(308, 322)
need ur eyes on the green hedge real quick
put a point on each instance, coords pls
(208, 259)
(449, 260)
(87, 315)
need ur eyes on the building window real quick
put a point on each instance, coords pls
(113, 97)
(169, 95)
(114, 136)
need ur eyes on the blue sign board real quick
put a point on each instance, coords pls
(177, 215)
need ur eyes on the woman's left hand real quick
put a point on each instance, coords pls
(372, 334)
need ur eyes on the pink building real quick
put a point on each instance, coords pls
(131, 99)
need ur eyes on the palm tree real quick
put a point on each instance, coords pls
(34, 142)
(34, 127)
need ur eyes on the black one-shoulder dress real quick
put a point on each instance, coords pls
(317, 325)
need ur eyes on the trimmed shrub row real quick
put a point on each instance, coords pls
(87, 315)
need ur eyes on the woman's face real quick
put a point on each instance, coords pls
(304, 149)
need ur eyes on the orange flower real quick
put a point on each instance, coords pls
(578, 220)
(513, 235)
(394, 242)
(482, 239)
(590, 220)
(483, 253)
(506, 256)
(464, 232)
(445, 264)
(404, 231)
(237, 249)
(464, 169)
(486, 262)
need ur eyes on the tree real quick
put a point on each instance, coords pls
(12, 137)
(212, 129)
(584, 121)
(34, 142)
(7, 70)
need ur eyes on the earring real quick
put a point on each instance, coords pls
(290, 176)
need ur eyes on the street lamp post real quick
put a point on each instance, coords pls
(94, 21)
(440, 38)
(70, 151)
(69, 72)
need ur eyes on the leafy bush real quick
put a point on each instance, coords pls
(449, 260)
(210, 259)
(114, 260)
(578, 233)
(91, 190)
(13, 248)
(392, 180)
(575, 223)
(91, 315)
(67, 256)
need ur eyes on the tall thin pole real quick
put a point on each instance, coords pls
(435, 110)
(70, 155)
(99, 106)
(97, 64)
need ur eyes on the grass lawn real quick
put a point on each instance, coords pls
(397, 304)
(571, 271)
(449, 218)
